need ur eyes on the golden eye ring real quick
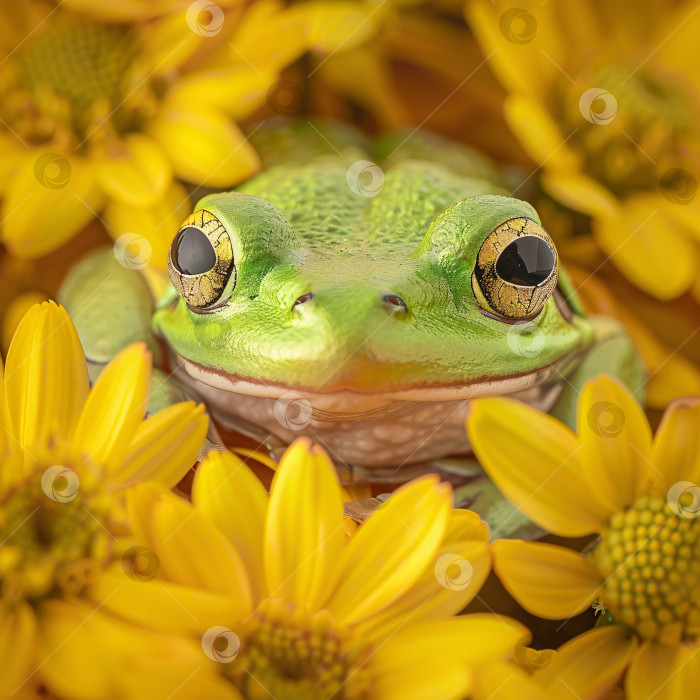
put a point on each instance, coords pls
(516, 271)
(200, 262)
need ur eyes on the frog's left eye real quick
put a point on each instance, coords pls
(201, 260)
(516, 270)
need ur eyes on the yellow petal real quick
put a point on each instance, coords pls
(465, 525)
(12, 153)
(191, 549)
(227, 492)
(87, 654)
(168, 42)
(304, 534)
(69, 649)
(520, 66)
(444, 589)
(337, 26)
(46, 380)
(589, 665)
(115, 407)
(550, 581)
(155, 225)
(14, 313)
(682, 213)
(418, 656)
(651, 673)
(447, 681)
(164, 607)
(165, 446)
(184, 684)
(204, 145)
(269, 36)
(392, 549)
(48, 201)
(674, 377)
(134, 171)
(539, 133)
(676, 448)
(504, 681)
(534, 460)
(643, 242)
(18, 640)
(685, 673)
(615, 441)
(580, 192)
(237, 89)
(257, 455)
(675, 40)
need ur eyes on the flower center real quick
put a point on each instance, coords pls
(650, 558)
(51, 533)
(79, 61)
(75, 77)
(293, 655)
(633, 126)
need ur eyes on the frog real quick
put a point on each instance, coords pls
(361, 294)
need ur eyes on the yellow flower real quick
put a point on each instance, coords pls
(66, 452)
(642, 498)
(608, 103)
(419, 60)
(299, 609)
(99, 116)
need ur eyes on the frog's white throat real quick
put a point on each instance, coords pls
(371, 429)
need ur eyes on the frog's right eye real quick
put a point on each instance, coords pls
(201, 261)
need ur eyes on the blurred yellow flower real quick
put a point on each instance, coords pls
(607, 101)
(642, 497)
(65, 452)
(309, 612)
(423, 67)
(99, 116)
(671, 373)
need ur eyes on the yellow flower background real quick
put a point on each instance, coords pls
(114, 118)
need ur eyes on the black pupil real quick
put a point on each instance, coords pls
(195, 254)
(526, 261)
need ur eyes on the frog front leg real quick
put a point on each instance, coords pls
(110, 305)
(613, 353)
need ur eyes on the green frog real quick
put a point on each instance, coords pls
(362, 295)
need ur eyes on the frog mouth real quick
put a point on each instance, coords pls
(349, 398)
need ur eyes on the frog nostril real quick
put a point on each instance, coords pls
(303, 299)
(393, 302)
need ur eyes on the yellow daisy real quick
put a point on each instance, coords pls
(608, 103)
(642, 498)
(101, 118)
(309, 612)
(66, 451)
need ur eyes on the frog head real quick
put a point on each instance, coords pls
(471, 307)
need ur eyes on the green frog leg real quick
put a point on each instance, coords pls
(612, 353)
(111, 307)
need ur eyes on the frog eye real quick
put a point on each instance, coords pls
(201, 260)
(516, 270)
